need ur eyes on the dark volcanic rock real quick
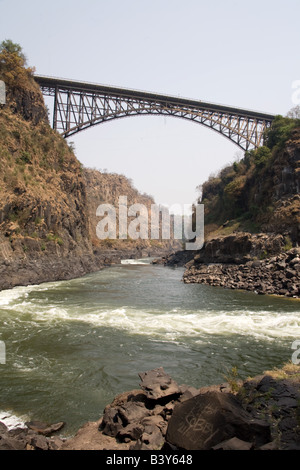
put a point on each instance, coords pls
(44, 428)
(35, 436)
(179, 258)
(211, 418)
(111, 424)
(132, 412)
(239, 248)
(277, 275)
(157, 384)
(151, 439)
(142, 417)
(263, 415)
(234, 444)
(278, 398)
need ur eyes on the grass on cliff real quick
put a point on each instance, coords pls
(31, 158)
(289, 371)
(13, 69)
(240, 196)
(39, 173)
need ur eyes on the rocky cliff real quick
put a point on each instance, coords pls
(48, 200)
(107, 188)
(260, 192)
(252, 220)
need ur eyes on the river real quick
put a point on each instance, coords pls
(71, 346)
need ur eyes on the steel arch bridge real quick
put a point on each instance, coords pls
(80, 105)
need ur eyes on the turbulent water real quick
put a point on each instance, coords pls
(71, 346)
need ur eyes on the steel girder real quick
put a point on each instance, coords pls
(78, 106)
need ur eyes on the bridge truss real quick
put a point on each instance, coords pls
(78, 106)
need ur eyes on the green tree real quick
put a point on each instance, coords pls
(280, 131)
(12, 65)
(261, 156)
(12, 48)
(234, 189)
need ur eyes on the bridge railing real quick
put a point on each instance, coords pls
(78, 105)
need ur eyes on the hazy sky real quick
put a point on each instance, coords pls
(237, 53)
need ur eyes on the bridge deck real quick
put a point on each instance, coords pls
(52, 83)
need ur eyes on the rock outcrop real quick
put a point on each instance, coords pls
(206, 421)
(255, 262)
(260, 413)
(240, 247)
(32, 436)
(278, 275)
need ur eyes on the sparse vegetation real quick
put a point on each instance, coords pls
(242, 192)
(52, 237)
(233, 379)
(38, 220)
(37, 167)
(280, 131)
(13, 65)
(288, 243)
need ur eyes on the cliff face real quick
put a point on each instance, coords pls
(48, 201)
(48, 208)
(260, 193)
(107, 188)
(43, 217)
(252, 216)
(24, 96)
(284, 189)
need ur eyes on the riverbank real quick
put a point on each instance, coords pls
(258, 263)
(260, 413)
(32, 270)
(278, 275)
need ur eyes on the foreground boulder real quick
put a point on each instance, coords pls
(140, 417)
(166, 415)
(206, 420)
(278, 398)
(34, 435)
(157, 384)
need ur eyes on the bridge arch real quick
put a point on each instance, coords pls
(78, 106)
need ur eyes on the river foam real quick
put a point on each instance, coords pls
(137, 261)
(171, 325)
(30, 305)
(11, 421)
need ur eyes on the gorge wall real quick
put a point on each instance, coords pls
(48, 201)
(252, 220)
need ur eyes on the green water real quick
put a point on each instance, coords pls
(71, 346)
